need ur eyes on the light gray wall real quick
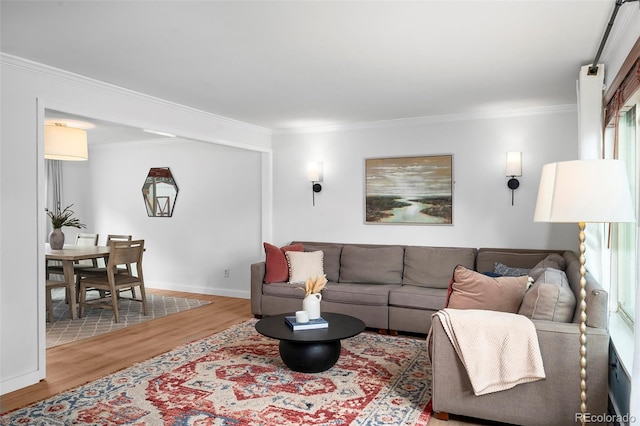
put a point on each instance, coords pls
(27, 89)
(216, 222)
(482, 212)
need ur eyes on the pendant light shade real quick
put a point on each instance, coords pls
(65, 143)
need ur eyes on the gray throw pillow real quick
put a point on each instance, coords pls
(554, 261)
(549, 298)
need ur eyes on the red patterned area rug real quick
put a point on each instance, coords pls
(236, 377)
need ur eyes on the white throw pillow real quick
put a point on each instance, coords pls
(303, 265)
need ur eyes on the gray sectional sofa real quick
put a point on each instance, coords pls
(389, 287)
(398, 288)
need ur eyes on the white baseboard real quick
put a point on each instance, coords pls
(215, 291)
(20, 382)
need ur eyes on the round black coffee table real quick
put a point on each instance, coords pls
(310, 351)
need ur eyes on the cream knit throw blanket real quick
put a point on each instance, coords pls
(499, 350)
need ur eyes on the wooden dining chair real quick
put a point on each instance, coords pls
(49, 286)
(120, 253)
(115, 237)
(82, 239)
(86, 240)
(100, 270)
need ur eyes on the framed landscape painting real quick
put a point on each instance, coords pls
(409, 190)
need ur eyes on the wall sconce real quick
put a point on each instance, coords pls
(65, 143)
(314, 174)
(514, 168)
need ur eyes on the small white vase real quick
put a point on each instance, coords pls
(56, 239)
(311, 304)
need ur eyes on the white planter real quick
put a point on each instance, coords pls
(311, 304)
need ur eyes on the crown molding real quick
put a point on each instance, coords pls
(177, 141)
(486, 115)
(72, 78)
(82, 81)
(145, 142)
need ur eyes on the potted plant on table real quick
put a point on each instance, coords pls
(58, 220)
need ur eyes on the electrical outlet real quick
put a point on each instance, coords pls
(226, 272)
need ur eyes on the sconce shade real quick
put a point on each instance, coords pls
(514, 164)
(65, 143)
(314, 172)
(590, 191)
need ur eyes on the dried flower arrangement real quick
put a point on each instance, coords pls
(314, 285)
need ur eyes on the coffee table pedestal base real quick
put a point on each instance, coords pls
(310, 357)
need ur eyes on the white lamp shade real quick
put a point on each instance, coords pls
(514, 164)
(65, 143)
(584, 191)
(314, 172)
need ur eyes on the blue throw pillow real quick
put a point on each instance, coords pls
(507, 271)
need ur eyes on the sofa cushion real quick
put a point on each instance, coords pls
(418, 297)
(549, 298)
(284, 290)
(331, 260)
(371, 265)
(432, 266)
(276, 268)
(358, 294)
(303, 265)
(473, 290)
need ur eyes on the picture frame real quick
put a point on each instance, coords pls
(414, 190)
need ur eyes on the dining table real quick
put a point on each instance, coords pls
(68, 255)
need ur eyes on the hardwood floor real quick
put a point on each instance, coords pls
(77, 363)
(80, 362)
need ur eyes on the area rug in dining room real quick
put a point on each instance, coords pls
(96, 320)
(236, 377)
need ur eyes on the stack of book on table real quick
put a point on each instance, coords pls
(311, 325)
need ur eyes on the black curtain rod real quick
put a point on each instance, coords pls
(594, 67)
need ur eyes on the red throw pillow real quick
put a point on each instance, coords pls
(277, 269)
(449, 290)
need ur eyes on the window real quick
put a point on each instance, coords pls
(622, 136)
(625, 235)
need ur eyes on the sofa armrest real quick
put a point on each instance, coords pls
(258, 271)
(553, 400)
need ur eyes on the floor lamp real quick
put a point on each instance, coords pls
(584, 191)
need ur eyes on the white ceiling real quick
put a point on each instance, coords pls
(289, 64)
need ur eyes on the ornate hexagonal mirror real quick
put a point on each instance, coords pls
(160, 192)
